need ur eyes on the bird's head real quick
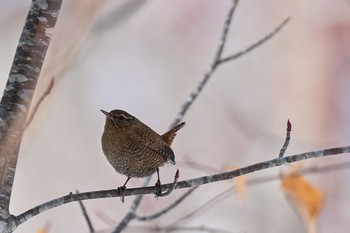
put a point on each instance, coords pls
(118, 118)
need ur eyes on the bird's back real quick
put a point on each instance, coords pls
(136, 151)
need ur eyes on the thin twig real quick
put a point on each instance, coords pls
(224, 33)
(189, 229)
(256, 44)
(261, 180)
(41, 99)
(213, 200)
(181, 184)
(193, 96)
(86, 216)
(160, 229)
(131, 213)
(167, 192)
(286, 142)
(188, 161)
(167, 209)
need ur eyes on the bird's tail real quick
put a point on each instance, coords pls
(170, 135)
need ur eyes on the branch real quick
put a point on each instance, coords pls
(181, 184)
(41, 99)
(224, 32)
(170, 207)
(287, 140)
(219, 60)
(167, 192)
(213, 200)
(160, 229)
(131, 213)
(167, 209)
(259, 180)
(86, 216)
(188, 229)
(256, 44)
(193, 96)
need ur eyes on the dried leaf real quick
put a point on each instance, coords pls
(239, 184)
(304, 196)
(42, 231)
(45, 229)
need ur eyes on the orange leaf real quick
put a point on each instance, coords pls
(42, 231)
(45, 229)
(304, 196)
(239, 184)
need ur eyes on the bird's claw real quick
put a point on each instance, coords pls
(121, 192)
(158, 189)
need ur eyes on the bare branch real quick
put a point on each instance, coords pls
(86, 216)
(181, 184)
(256, 44)
(262, 166)
(189, 229)
(180, 229)
(166, 210)
(131, 213)
(167, 192)
(218, 60)
(193, 96)
(41, 99)
(213, 200)
(286, 142)
(225, 32)
(261, 180)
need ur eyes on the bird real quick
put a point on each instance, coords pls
(134, 149)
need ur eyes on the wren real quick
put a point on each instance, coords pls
(134, 149)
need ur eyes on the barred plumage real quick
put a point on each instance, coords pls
(132, 148)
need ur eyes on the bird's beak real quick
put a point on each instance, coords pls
(107, 114)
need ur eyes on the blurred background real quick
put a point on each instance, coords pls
(145, 57)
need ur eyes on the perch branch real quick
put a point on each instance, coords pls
(181, 184)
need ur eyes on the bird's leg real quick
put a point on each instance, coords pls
(159, 189)
(121, 190)
(124, 185)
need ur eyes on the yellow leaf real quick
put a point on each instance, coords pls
(41, 231)
(239, 184)
(304, 196)
(45, 229)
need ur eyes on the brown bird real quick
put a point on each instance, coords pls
(134, 149)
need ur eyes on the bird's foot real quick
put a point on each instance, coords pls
(159, 189)
(121, 192)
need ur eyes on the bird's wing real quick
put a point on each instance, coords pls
(154, 142)
(163, 150)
